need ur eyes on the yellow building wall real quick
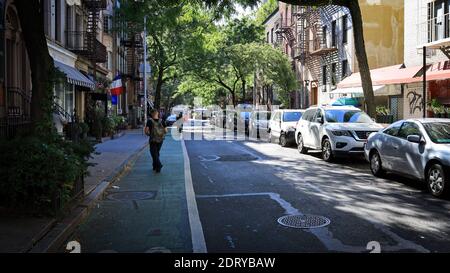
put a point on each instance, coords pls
(383, 32)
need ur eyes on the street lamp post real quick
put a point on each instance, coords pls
(424, 91)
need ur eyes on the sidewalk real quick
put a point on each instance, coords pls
(143, 211)
(19, 233)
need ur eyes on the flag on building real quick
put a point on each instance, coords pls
(116, 86)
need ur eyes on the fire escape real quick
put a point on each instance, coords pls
(85, 43)
(312, 48)
(134, 50)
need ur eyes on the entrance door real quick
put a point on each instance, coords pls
(314, 95)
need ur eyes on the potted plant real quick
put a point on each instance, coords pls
(384, 115)
(436, 108)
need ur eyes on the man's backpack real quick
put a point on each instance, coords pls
(158, 132)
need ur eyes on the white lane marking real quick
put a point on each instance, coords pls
(197, 236)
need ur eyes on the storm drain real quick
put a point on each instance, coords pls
(303, 221)
(131, 195)
(238, 157)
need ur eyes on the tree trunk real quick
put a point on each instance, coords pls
(159, 83)
(31, 16)
(361, 55)
(233, 98)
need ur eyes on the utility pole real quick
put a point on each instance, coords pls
(145, 69)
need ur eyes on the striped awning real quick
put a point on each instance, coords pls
(74, 76)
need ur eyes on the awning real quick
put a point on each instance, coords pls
(395, 74)
(354, 90)
(74, 76)
(438, 71)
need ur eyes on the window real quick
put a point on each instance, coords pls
(318, 115)
(57, 21)
(439, 132)
(277, 116)
(350, 116)
(344, 28)
(393, 129)
(438, 23)
(324, 37)
(267, 37)
(309, 114)
(409, 128)
(271, 36)
(333, 73)
(291, 116)
(324, 75)
(107, 24)
(333, 34)
(344, 68)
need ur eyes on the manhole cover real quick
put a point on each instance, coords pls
(131, 195)
(303, 221)
(238, 157)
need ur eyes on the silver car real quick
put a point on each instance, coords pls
(418, 148)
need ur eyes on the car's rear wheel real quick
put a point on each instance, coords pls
(437, 180)
(376, 166)
(327, 151)
(300, 145)
(283, 140)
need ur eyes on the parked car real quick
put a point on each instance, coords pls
(282, 125)
(232, 119)
(259, 123)
(417, 148)
(335, 130)
(170, 120)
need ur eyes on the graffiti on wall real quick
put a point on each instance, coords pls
(415, 102)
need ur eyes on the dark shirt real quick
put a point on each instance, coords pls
(150, 126)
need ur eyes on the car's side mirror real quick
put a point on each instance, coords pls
(415, 139)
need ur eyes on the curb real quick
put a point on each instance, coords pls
(54, 238)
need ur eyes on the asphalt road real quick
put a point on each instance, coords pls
(243, 187)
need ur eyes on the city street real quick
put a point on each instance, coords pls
(242, 187)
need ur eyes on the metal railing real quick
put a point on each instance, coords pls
(17, 119)
(86, 44)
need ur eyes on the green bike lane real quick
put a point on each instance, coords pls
(142, 211)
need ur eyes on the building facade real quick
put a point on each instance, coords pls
(15, 77)
(89, 45)
(319, 42)
(427, 24)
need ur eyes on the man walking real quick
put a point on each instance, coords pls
(156, 130)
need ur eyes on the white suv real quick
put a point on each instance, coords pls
(336, 130)
(282, 125)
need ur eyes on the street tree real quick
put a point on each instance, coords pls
(358, 33)
(31, 17)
